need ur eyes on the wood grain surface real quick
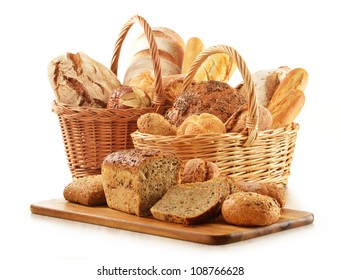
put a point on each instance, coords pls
(214, 233)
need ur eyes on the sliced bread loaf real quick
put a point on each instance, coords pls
(192, 203)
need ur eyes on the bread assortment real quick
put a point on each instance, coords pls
(150, 182)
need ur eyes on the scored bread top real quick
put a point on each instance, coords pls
(134, 157)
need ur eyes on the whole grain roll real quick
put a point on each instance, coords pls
(250, 209)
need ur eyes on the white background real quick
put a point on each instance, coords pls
(33, 165)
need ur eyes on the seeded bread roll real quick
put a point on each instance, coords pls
(250, 209)
(216, 98)
(134, 180)
(86, 191)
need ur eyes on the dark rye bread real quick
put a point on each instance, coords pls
(86, 191)
(192, 203)
(134, 180)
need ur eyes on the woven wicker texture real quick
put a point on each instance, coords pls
(260, 156)
(90, 134)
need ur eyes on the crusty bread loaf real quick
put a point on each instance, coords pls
(295, 79)
(87, 190)
(79, 80)
(199, 170)
(288, 108)
(276, 191)
(204, 123)
(192, 203)
(213, 97)
(250, 209)
(171, 50)
(134, 180)
(156, 124)
(237, 122)
(193, 47)
(266, 83)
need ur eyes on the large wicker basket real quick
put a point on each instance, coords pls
(90, 134)
(262, 156)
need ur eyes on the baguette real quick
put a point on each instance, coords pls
(288, 108)
(296, 79)
(193, 47)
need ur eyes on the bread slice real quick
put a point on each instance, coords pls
(192, 203)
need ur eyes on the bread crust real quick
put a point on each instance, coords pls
(86, 191)
(216, 98)
(204, 123)
(250, 209)
(276, 191)
(79, 80)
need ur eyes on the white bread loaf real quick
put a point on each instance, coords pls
(171, 50)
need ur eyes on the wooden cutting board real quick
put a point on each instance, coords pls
(215, 233)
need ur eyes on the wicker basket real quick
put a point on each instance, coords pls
(262, 156)
(90, 134)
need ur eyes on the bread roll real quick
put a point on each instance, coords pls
(288, 108)
(79, 80)
(250, 209)
(213, 97)
(204, 123)
(296, 79)
(156, 124)
(237, 122)
(171, 50)
(199, 170)
(276, 191)
(87, 190)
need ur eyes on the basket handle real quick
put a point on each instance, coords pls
(253, 114)
(158, 99)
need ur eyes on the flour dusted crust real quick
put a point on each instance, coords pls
(134, 180)
(250, 209)
(79, 80)
(87, 190)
